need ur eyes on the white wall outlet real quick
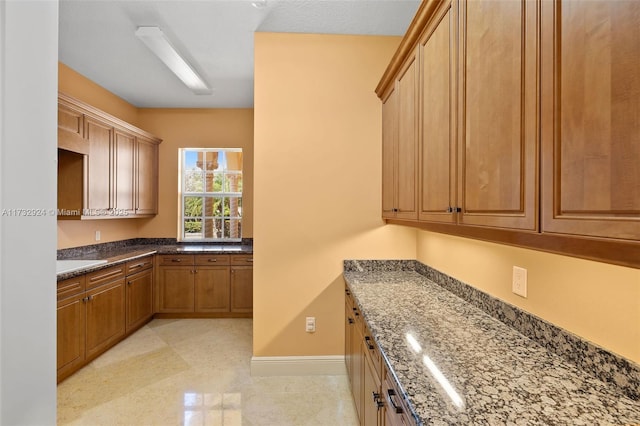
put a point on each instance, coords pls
(519, 282)
(97, 235)
(310, 324)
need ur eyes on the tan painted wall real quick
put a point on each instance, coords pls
(75, 84)
(196, 128)
(596, 301)
(317, 184)
(76, 233)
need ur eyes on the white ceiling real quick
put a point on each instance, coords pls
(97, 40)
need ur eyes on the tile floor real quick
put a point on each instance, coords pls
(196, 372)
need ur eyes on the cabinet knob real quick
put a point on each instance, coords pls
(376, 399)
(368, 341)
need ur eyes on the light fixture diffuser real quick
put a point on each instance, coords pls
(159, 44)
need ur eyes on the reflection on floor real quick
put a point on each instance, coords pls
(196, 372)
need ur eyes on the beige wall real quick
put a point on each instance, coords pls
(77, 233)
(317, 184)
(196, 128)
(75, 84)
(597, 301)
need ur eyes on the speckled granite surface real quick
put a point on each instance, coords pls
(122, 251)
(471, 368)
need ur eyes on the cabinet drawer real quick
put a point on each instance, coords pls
(105, 275)
(138, 265)
(242, 259)
(176, 259)
(71, 287)
(213, 259)
(373, 351)
(396, 412)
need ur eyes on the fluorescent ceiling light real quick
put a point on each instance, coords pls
(159, 44)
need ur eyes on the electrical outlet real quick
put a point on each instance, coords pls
(97, 235)
(519, 283)
(310, 324)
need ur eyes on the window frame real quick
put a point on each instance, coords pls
(183, 194)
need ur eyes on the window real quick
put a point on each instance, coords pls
(210, 194)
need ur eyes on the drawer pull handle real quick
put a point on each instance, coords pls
(212, 260)
(351, 321)
(176, 260)
(355, 311)
(391, 393)
(250, 260)
(137, 265)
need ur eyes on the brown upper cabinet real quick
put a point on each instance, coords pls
(591, 118)
(400, 145)
(525, 121)
(107, 168)
(478, 115)
(498, 114)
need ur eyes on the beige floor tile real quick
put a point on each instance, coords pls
(197, 372)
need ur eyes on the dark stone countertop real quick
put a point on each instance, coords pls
(468, 368)
(118, 252)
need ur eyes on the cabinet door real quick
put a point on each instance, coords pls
(241, 289)
(212, 289)
(176, 289)
(407, 146)
(71, 335)
(124, 150)
(389, 155)
(348, 332)
(139, 299)
(591, 118)
(105, 316)
(100, 170)
(372, 402)
(498, 164)
(438, 155)
(356, 362)
(147, 177)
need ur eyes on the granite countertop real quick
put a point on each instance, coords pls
(458, 365)
(115, 254)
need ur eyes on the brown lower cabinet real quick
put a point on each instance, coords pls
(139, 293)
(97, 310)
(105, 316)
(204, 285)
(375, 394)
(71, 321)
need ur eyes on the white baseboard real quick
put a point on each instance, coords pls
(330, 365)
